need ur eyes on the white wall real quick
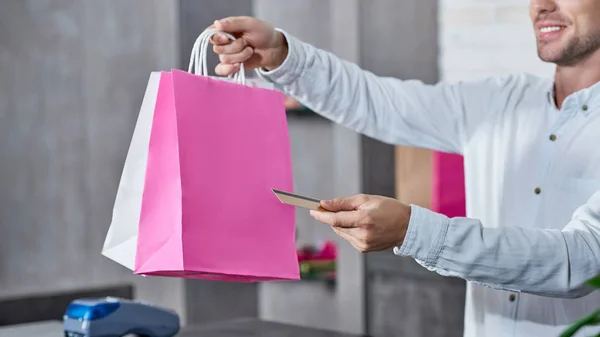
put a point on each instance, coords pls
(480, 38)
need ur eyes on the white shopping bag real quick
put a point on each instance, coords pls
(121, 240)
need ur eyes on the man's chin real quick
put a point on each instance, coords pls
(546, 59)
(549, 56)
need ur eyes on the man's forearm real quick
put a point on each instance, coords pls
(539, 261)
(394, 111)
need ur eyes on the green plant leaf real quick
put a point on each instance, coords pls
(595, 282)
(592, 319)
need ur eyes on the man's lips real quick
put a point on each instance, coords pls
(550, 30)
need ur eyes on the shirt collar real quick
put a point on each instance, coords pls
(585, 100)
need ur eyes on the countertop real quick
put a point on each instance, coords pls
(232, 328)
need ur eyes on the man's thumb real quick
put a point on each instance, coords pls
(234, 24)
(344, 204)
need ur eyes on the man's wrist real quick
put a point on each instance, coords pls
(280, 53)
(405, 221)
(292, 65)
(408, 241)
(425, 235)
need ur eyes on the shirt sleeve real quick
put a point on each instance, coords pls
(546, 262)
(402, 112)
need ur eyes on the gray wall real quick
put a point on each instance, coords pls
(396, 296)
(326, 161)
(383, 295)
(72, 75)
(399, 39)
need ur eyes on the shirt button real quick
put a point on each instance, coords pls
(512, 297)
(584, 107)
(537, 190)
(552, 137)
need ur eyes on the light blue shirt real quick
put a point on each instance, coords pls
(532, 236)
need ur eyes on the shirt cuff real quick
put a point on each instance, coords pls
(291, 68)
(425, 235)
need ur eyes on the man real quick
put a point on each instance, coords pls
(532, 158)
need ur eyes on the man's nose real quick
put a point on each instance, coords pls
(543, 6)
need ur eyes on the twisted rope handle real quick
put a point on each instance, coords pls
(198, 63)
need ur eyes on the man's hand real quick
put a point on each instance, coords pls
(258, 44)
(368, 222)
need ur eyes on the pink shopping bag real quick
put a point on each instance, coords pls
(448, 195)
(216, 150)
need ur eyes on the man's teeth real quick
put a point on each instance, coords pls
(550, 29)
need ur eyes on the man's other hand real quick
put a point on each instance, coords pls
(370, 223)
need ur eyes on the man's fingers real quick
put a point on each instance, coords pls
(237, 58)
(235, 24)
(230, 48)
(339, 219)
(344, 204)
(344, 235)
(226, 69)
(354, 241)
(220, 39)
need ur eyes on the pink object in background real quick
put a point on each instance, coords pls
(328, 251)
(448, 195)
(216, 151)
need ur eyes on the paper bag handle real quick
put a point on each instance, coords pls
(198, 64)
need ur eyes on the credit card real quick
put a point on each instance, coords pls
(298, 200)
